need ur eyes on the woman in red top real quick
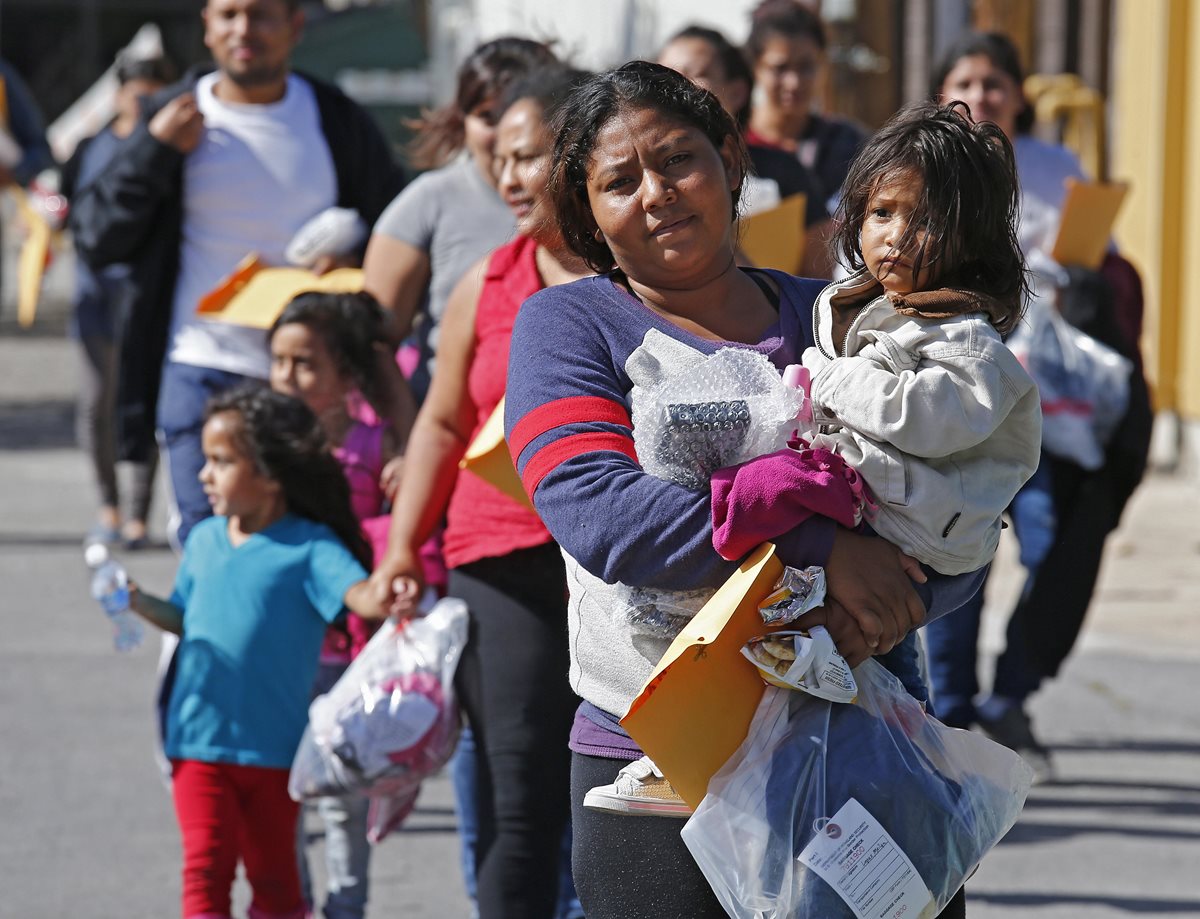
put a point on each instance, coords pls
(512, 679)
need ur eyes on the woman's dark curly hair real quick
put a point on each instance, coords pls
(997, 48)
(287, 444)
(591, 106)
(968, 205)
(482, 76)
(351, 326)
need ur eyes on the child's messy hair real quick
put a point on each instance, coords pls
(968, 206)
(287, 444)
(351, 326)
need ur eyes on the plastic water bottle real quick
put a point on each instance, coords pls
(110, 588)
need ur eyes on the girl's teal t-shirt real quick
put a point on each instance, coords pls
(254, 618)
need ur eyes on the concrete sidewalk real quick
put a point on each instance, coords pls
(88, 829)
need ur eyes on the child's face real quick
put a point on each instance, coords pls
(232, 482)
(301, 366)
(889, 211)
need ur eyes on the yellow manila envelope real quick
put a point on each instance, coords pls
(1085, 227)
(488, 458)
(776, 238)
(695, 709)
(254, 295)
(31, 265)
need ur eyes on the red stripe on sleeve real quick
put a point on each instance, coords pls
(547, 459)
(572, 410)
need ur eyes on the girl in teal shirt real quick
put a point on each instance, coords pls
(259, 582)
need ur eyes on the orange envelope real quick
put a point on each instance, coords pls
(488, 458)
(1088, 214)
(775, 238)
(254, 295)
(695, 709)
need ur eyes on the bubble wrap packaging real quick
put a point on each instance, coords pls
(715, 411)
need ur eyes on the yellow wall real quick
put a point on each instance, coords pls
(1156, 120)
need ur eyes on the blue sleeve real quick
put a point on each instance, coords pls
(28, 130)
(563, 407)
(944, 593)
(332, 570)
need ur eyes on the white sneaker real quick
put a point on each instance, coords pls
(640, 790)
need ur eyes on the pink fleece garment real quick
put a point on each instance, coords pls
(765, 497)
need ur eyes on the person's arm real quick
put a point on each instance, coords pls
(396, 274)
(116, 213)
(369, 599)
(155, 610)
(28, 129)
(439, 439)
(930, 403)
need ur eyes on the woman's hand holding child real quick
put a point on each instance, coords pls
(871, 580)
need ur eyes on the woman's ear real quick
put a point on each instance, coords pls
(735, 172)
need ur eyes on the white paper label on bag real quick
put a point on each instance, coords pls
(855, 856)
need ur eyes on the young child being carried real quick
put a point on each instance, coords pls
(911, 383)
(911, 388)
(256, 588)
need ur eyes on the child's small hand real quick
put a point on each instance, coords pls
(845, 631)
(406, 597)
(389, 478)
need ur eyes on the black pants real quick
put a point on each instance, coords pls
(512, 683)
(638, 867)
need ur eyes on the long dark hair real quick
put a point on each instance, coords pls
(482, 76)
(997, 48)
(284, 439)
(595, 102)
(733, 62)
(968, 205)
(351, 326)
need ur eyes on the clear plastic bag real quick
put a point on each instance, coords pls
(389, 721)
(1084, 384)
(783, 819)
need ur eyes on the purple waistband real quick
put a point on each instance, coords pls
(597, 733)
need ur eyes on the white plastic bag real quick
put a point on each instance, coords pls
(389, 721)
(875, 795)
(1084, 384)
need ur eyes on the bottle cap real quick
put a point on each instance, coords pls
(95, 555)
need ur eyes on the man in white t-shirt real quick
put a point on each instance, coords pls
(225, 164)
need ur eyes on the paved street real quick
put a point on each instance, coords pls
(88, 830)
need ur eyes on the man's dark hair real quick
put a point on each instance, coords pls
(782, 19)
(153, 69)
(968, 204)
(591, 106)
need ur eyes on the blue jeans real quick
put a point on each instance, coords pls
(347, 852)
(953, 641)
(182, 398)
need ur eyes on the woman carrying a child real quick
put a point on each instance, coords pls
(647, 172)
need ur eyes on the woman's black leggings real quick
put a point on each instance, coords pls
(638, 867)
(512, 683)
